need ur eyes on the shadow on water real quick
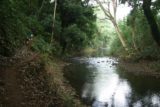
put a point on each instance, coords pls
(100, 83)
(77, 74)
(145, 89)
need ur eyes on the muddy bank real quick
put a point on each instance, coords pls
(143, 67)
(60, 86)
(24, 82)
(33, 80)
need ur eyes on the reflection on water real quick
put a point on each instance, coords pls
(99, 81)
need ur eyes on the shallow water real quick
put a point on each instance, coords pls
(100, 83)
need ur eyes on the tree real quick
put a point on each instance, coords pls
(146, 5)
(75, 15)
(131, 22)
(22, 18)
(112, 18)
(54, 16)
(151, 20)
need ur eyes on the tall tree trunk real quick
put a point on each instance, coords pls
(112, 18)
(120, 35)
(54, 16)
(151, 20)
(114, 8)
(133, 38)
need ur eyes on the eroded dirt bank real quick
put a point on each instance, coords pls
(143, 67)
(30, 80)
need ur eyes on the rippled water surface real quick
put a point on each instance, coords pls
(100, 83)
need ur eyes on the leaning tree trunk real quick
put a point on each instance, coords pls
(113, 20)
(151, 21)
(120, 35)
(133, 37)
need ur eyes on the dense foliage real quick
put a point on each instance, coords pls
(74, 25)
(78, 24)
(139, 33)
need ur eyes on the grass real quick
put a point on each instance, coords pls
(59, 85)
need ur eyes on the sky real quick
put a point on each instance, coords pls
(51, 1)
(122, 10)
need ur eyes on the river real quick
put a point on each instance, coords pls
(99, 82)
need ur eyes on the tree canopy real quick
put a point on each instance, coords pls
(74, 24)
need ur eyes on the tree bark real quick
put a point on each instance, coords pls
(151, 21)
(133, 28)
(120, 35)
(114, 8)
(54, 16)
(112, 18)
(133, 38)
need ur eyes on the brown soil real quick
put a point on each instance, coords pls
(143, 67)
(27, 81)
(64, 90)
(20, 88)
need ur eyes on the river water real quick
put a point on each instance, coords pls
(101, 83)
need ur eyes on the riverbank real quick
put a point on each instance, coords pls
(34, 80)
(60, 85)
(100, 83)
(143, 67)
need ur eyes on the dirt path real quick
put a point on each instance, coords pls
(14, 95)
(10, 83)
(27, 81)
(13, 91)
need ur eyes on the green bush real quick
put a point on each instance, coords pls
(74, 37)
(40, 45)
